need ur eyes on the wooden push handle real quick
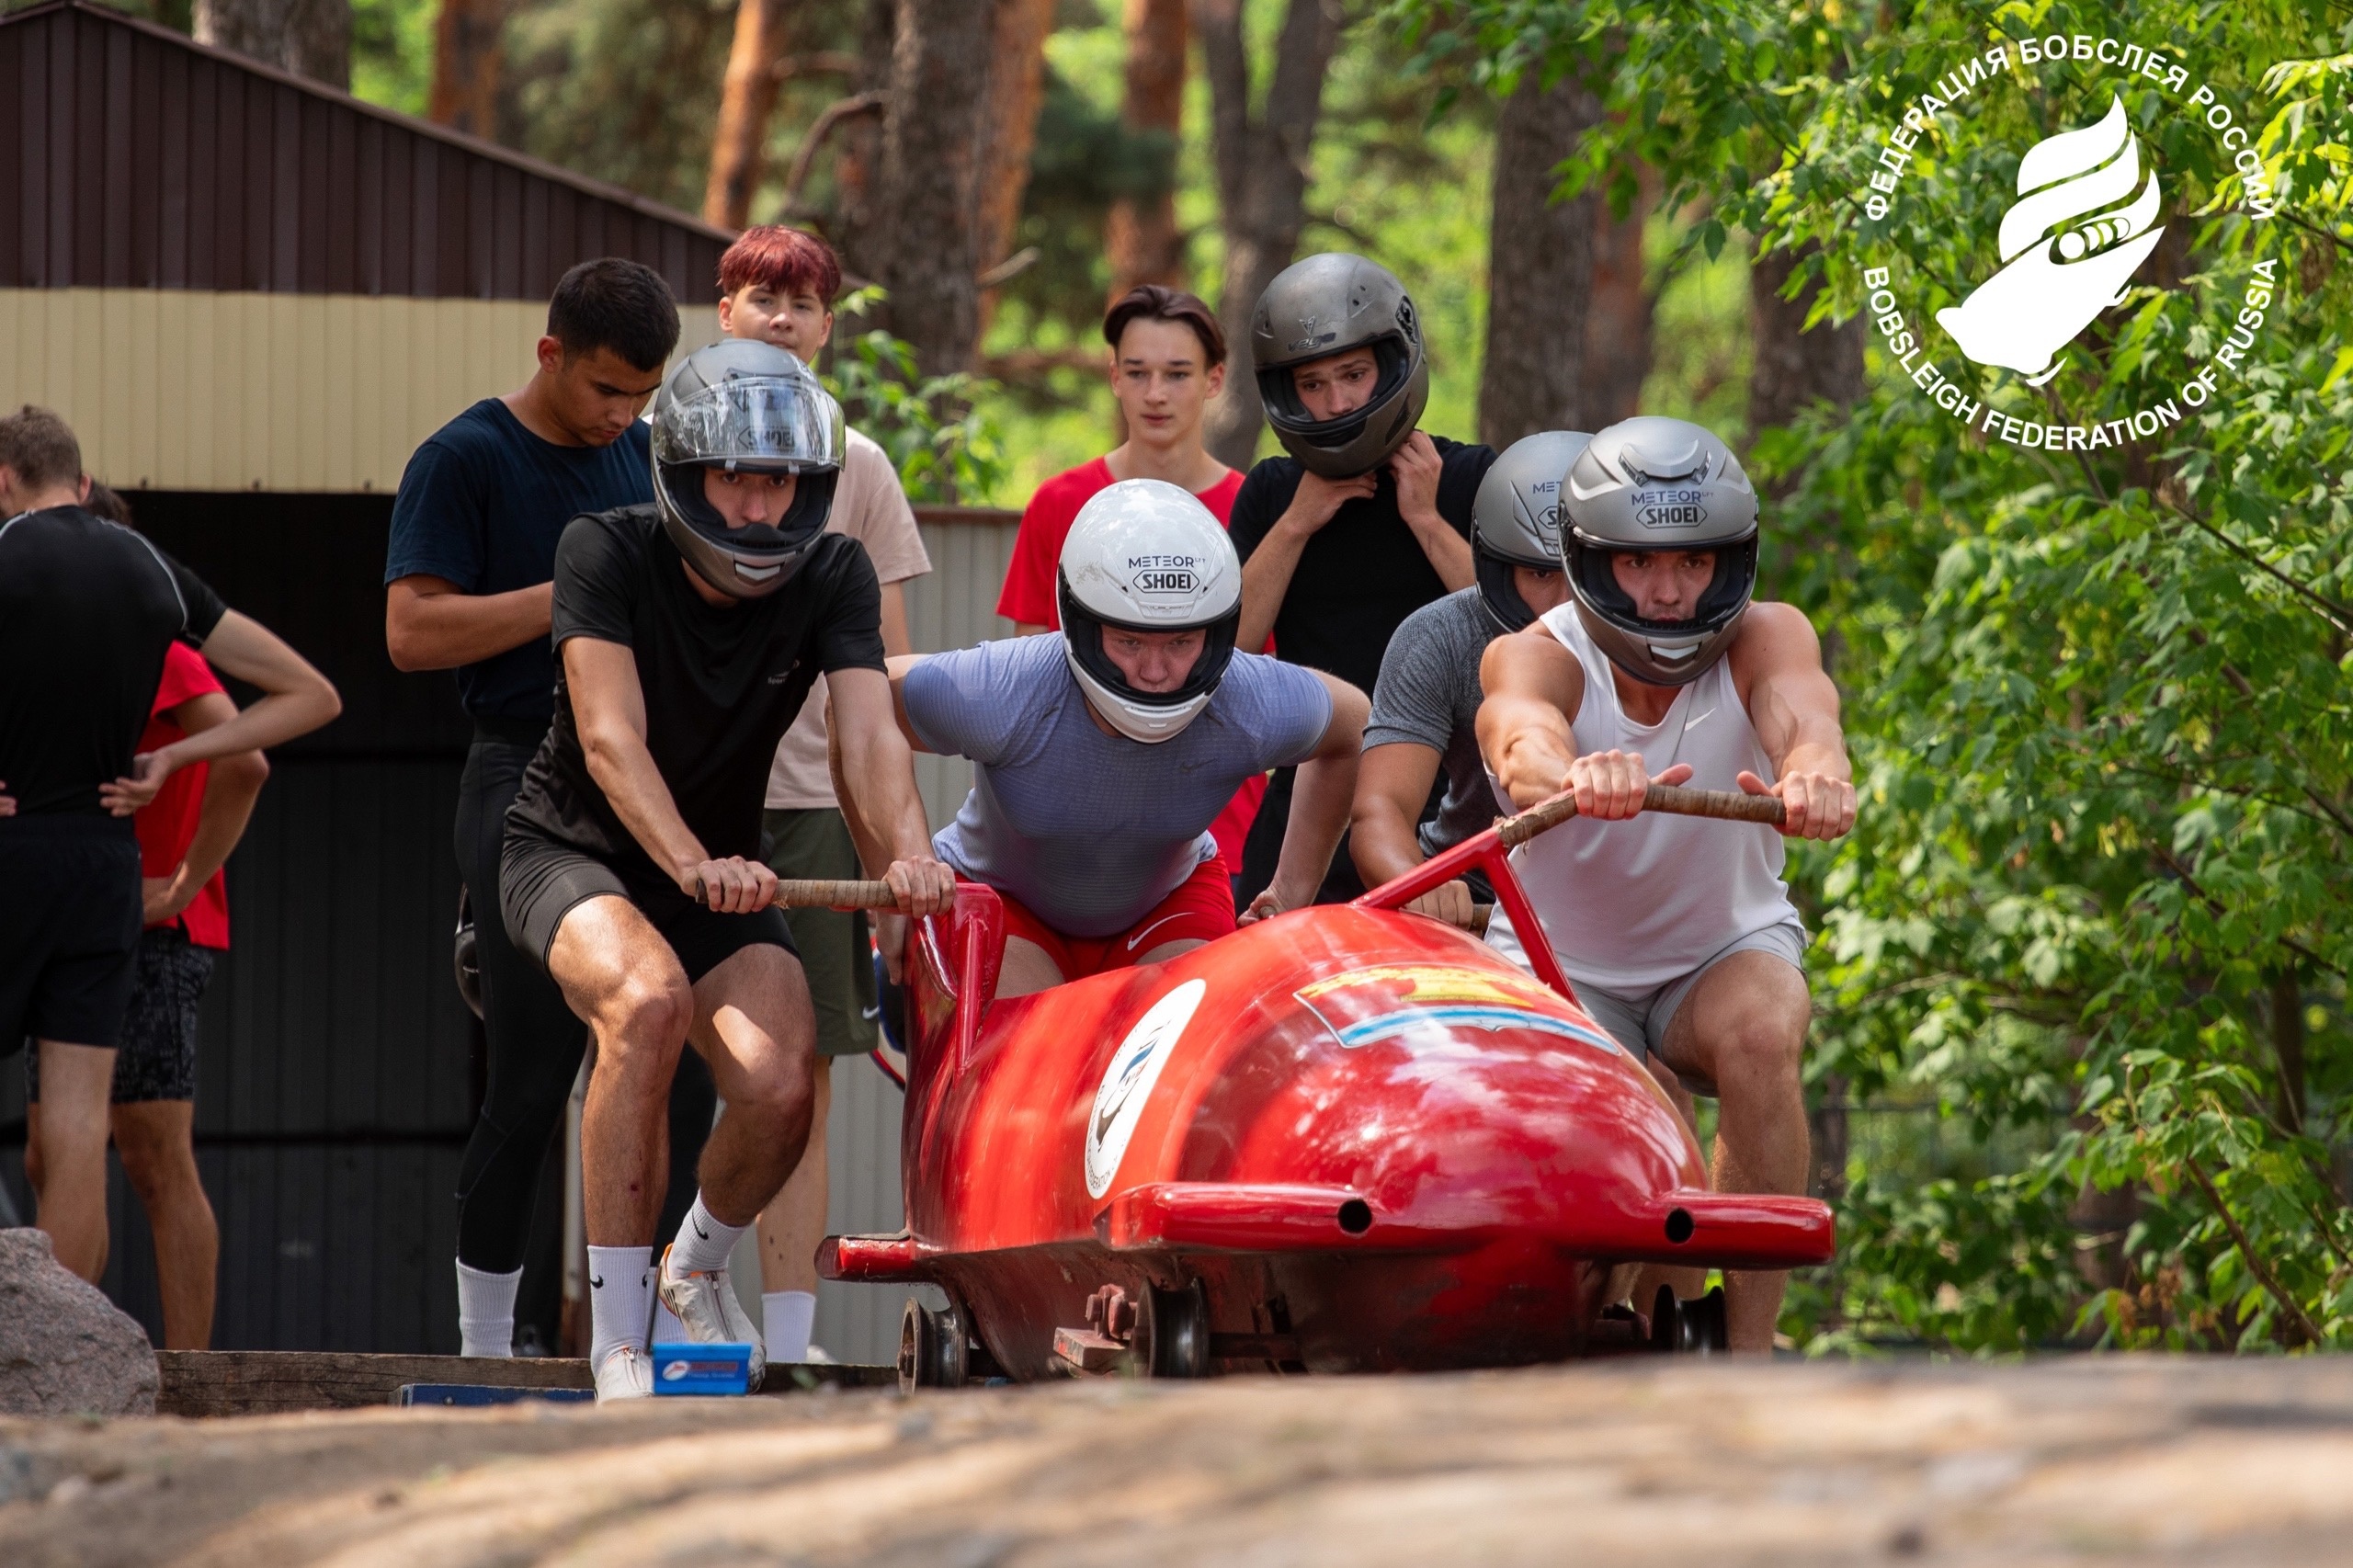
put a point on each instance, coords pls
(819, 894)
(1727, 805)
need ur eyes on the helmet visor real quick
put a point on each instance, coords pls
(758, 423)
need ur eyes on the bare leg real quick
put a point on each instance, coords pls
(618, 974)
(753, 1024)
(1026, 969)
(70, 1191)
(1743, 1027)
(159, 1156)
(794, 1221)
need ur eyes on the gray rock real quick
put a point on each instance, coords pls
(64, 1348)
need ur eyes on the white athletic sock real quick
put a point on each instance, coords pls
(621, 1288)
(786, 1318)
(703, 1245)
(486, 1311)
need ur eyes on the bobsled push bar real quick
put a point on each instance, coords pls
(1511, 831)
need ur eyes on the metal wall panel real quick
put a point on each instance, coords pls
(142, 159)
(282, 392)
(955, 606)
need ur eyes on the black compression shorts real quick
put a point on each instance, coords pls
(541, 881)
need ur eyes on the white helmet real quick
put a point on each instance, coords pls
(1145, 555)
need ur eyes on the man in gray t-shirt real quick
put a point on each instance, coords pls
(1425, 704)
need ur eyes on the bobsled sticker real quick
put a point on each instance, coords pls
(1128, 1081)
(1388, 1000)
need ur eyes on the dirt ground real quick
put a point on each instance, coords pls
(2088, 1461)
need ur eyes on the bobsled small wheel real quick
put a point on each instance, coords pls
(931, 1347)
(1176, 1331)
(1694, 1327)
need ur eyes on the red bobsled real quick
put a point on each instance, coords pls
(1348, 1138)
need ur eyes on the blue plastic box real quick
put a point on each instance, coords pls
(702, 1368)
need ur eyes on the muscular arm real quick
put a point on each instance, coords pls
(231, 787)
(608, 711)
(1534, 687)
(875, 781)
(894, 620)
(1393, 784)
(1777, 664)
(1319, 804)
(431, 624)
(296, 700)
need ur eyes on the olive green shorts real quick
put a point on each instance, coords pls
(835, 952)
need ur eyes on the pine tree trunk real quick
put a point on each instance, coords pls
(746, 100)
(932, 142)
(469, 57)
(1794, 367)
(855, 224)
(1016, 86)
(1262, 168)
(1142, 232)
(1540, 267)
(1617, 310)
(310, 38)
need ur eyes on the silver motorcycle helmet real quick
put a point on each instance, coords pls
(1647, 484)
(1145, 555)
(1516, 519)
(746, 407)
(1325, 305)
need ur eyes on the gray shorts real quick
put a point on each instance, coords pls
(1639, 1019)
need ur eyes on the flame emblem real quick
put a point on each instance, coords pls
(2052, 284)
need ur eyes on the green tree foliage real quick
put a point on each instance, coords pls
(2098, 915)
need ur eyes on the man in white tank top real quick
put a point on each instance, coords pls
(1678, 932)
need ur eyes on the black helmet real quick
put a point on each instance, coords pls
(1324, 305)
(748, 408)
(1653, 483)
(1516, 520)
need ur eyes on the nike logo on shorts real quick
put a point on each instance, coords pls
(869, 1014)
(1137, 941)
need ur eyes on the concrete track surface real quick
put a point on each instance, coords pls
(2086, 1460)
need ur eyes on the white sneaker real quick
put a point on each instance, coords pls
(708, 1310)
(627, 1373)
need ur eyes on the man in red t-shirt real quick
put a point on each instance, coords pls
(1168, 360)
(184, 834)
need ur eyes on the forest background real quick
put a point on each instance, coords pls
(2082, 1058)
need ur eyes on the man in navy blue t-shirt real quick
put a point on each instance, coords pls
(467, 587)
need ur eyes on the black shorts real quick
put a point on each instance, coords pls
(157, 1058)
(69, 929)
(541, 881)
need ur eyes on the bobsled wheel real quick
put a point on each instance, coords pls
(931, 1347)
(1175, 1332)
(1693, 1327)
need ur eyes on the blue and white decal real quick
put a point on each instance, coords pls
(1128, 1081)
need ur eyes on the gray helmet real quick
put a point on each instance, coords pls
(1516, 520)
(746, 407)
(1324, 305)
(1651, 483)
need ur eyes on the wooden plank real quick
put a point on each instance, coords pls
(272, 1382)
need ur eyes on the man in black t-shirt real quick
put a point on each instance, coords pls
(688, 635)
(86, 610)
(472, 549)
(1367, 520)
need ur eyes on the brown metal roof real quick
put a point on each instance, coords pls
(138, 158)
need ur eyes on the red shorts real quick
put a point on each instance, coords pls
(1200, 909)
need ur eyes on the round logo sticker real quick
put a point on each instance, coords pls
(1128, 1081)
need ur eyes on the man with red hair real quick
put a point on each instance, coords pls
(777, 285)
